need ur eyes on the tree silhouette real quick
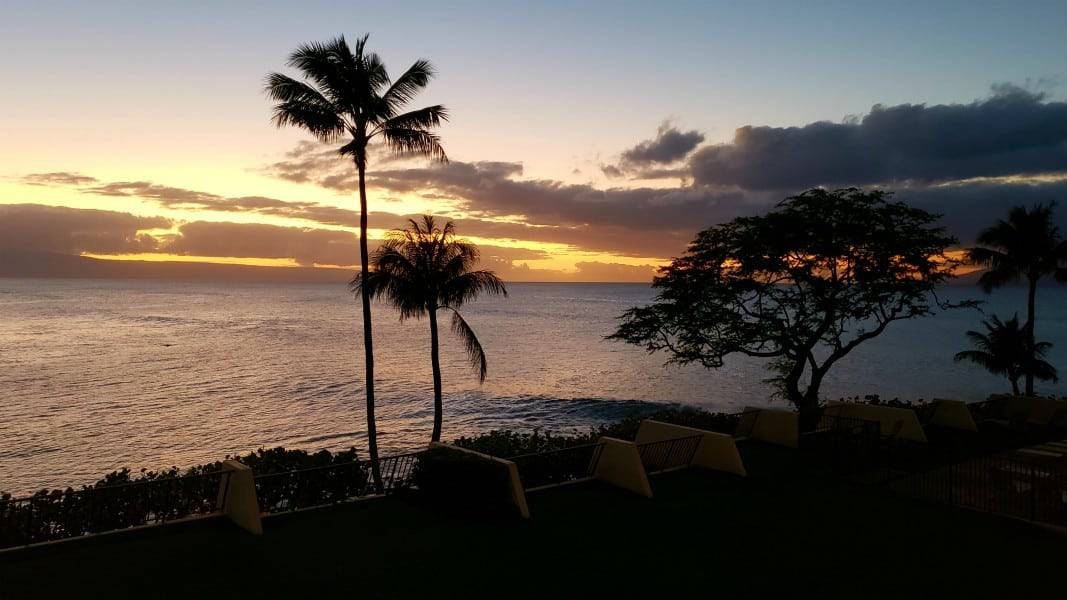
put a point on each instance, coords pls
(802, 286)
(423, 269)
(347, 96)
(1025, 246)
(1004, 349)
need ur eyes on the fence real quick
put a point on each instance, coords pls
(1031, 489)
(556, 467)
(668, 454)
(850, 446)
(72, 513)
(287, 491)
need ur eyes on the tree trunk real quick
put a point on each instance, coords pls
(435, 362)
(1030, 305)
(1014, 385)
(809, 406)
(809, 413)
(368, 337)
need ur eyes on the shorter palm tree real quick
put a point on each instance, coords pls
(423, 269)
(1027, 246)
(1004, 349)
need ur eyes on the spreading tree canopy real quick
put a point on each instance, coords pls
(801, 286)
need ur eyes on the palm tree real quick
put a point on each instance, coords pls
(347, 96)
(1025, 246)
(421, 270)
(1005, 349)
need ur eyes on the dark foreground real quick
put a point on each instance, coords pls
(776, 534)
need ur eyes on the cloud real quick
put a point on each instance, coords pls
(1011, 132)
(306, 246)
(969, 207)
(39, 228)
(35, 227)
(668, 146)
(182, 198)
(57, 178)
(571, 211)
(587, 272)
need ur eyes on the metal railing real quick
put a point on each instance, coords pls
(556, 467)
(71, 513)
(668, 454)
(847, 445)
(1031, 489)
(287, 491)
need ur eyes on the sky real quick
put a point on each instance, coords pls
(587, 141)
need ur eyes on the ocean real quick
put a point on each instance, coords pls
(96, 375)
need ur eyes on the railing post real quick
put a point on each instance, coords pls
(1033, 491)
(237, 497)
(951, 484)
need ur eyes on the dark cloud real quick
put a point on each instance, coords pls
(1010, 133)
(34, 227)
(182, 198)
(576, 210)
(668, 146)
(967, 208)
(58, 178)
(306, 246)
(62, 230)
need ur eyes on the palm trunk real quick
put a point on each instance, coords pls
(435, 362)
(1030, 306)
(368, 337)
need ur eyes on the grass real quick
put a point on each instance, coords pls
(777, 533)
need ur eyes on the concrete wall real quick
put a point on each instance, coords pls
(774, 426)
(889, 418)
(620, 466)
(716, 451)
(1033, 410)
(515, 489)
(953, 414)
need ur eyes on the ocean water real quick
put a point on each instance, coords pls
(98, 375)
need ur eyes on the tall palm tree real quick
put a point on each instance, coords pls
(1005, 349)
(1026, 246)
(347, 96)
(421, 270)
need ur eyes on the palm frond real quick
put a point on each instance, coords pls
(321, 62)
(420, 119)
(475, 353)
(409, 84)
(982, 359)
(414, 141)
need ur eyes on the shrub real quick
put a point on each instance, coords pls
(506, 443)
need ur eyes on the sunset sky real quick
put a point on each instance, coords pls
(587, 142)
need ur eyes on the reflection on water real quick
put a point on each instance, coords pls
(98, 375)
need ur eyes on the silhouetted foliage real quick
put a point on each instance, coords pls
(506, 443)
(124, 498)
(1027, 246)
(423, 269)
(1005, 349)
(802, 286)
(347, 96)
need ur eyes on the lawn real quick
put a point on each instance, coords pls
(779, 533)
